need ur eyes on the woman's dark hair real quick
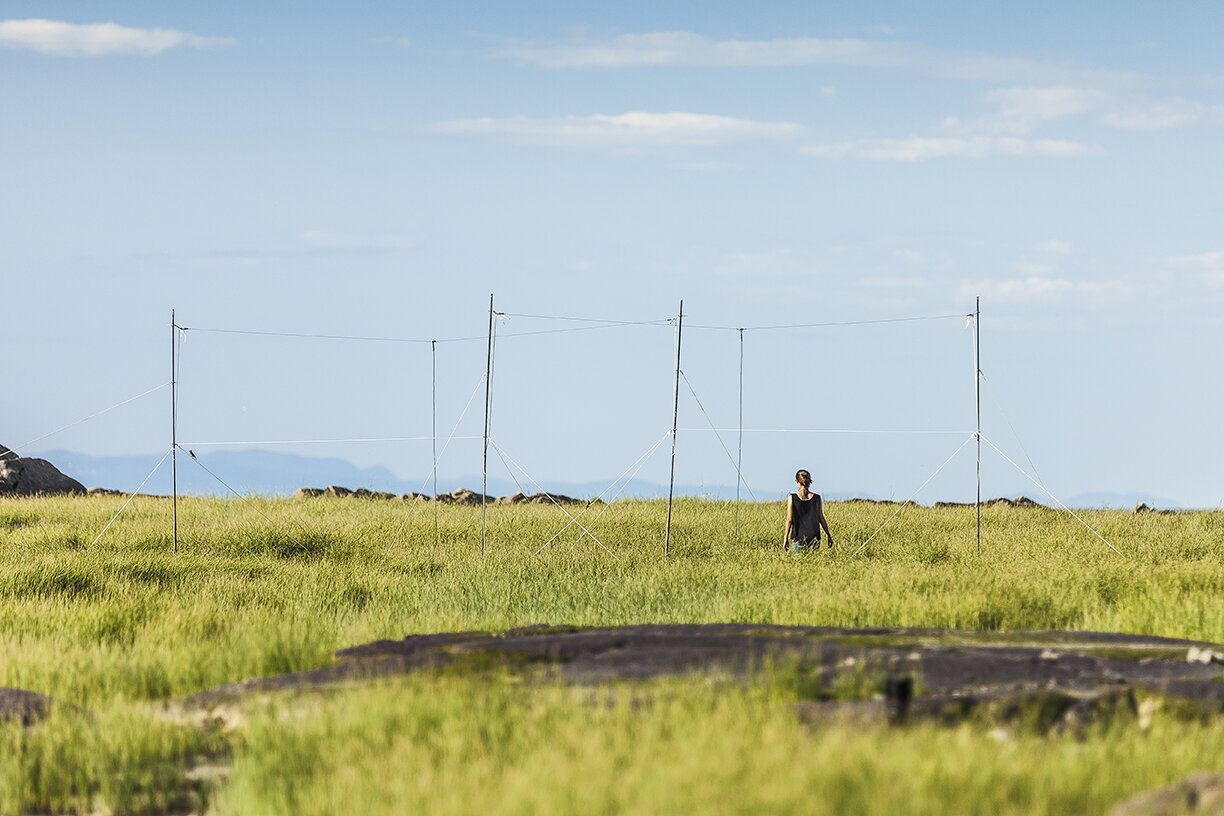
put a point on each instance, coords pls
(803, 477)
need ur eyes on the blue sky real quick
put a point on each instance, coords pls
(378, 170)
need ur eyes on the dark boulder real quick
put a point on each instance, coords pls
(26, 476)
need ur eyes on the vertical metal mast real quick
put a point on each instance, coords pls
(484, 483)
(434, 360)
(739, 461)
(174, 430)
(671, 485)
(977, 398)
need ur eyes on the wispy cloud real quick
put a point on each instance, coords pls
(1208, 267)
(1157, 115)
(332, 240)
(1020, 110)
(686, 49)
(633, 129)
(1050, 289)
(1053, 246)
(97, 39)
(921, 148)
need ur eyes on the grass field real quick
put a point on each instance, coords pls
(118, 626)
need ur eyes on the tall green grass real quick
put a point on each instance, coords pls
(259, 587)
(265, 586)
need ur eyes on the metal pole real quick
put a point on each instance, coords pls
(671, 485)
(174, 430)
(977, 398)
(434, 360)
(484, 483)
(739, 462)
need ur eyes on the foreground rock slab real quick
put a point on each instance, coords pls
(1074, 674)
(1200, 793)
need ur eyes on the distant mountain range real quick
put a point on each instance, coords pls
(271, 473)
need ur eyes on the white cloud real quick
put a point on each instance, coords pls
(1022, 109)
(686, 49)
(1054, 247)
(682, 48)
(96, 39)
(920, 148)
(1023, 290)
(1051, 290)
(331, 240)
(1160, 115)
(1208, 267)
(633, 129)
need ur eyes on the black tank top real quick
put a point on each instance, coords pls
(805, 519)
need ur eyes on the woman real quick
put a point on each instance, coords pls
(804, 516)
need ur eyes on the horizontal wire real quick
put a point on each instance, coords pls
(332, 336)
(660, 322)
(317, 441)
(831, 323)
(603, 323)
(825, 431)
(501, 335)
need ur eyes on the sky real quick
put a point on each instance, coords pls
(285, 175)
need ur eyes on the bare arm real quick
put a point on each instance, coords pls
(825, 524)
(789, 519)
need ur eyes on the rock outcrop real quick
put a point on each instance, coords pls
(461, 496)
(26, 476)
(26, 707)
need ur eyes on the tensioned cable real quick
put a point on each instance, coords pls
(434, 469)
(416, 340)
(717, 435)
(1007, 419)
(91, 416)
(901, 506)
(308, 336)
(630, 471)
(129, 499)
(603, 323)
(833, 323)
(317, 441)
(1051, 495)
(554, 501)
(636, 468)
(830, 431)
(660, 322)
(519, 484)
(246, 501)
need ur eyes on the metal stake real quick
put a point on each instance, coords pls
(484, 483)
(174, 430)
(977, 398)
(671, 485)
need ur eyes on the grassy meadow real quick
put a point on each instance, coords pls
(114, 629)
